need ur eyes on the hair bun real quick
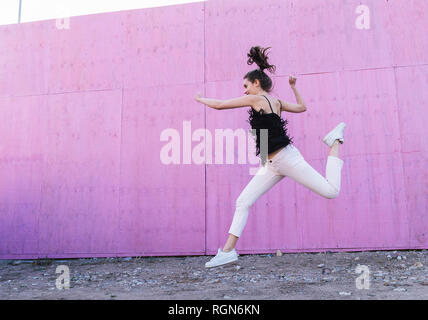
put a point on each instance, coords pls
(258, 55)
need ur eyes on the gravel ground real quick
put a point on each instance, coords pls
(392, 275)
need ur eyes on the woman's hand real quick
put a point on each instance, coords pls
(212, 103)
(198, 96)
(292, 81)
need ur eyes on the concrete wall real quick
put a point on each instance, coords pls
(82, 111)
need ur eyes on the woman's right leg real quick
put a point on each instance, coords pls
(334, 150)
(296, 167)
(265, 178)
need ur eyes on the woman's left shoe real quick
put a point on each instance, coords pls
(222, 258)
(335, 134)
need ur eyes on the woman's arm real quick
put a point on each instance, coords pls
(299, 98)
(292, 107)
(212, 103)
(245, 101)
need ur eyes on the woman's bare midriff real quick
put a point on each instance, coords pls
(271, 155)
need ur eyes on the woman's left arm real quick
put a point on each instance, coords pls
(212, 103)
(245, 101)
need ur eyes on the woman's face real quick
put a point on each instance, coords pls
(251, 88)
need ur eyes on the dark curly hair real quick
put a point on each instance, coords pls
(258, 55)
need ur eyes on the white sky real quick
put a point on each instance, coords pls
(33, 10)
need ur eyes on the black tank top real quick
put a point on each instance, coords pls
(276, 126)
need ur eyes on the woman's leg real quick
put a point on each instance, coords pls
(264, 180)
(334, 151)
(230, 243)
(303, 173)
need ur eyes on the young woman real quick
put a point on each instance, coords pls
(283, 158)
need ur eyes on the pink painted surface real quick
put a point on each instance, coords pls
(83, 111)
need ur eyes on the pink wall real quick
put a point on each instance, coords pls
(82, 111)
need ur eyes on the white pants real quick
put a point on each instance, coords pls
(288, 162)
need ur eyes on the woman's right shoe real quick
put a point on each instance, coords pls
(335, 134)
(222, 258)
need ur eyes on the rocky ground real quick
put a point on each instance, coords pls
(391, 275)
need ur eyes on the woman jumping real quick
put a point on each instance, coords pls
(283, 158)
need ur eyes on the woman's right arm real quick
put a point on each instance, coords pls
(299, 98)
(293, 107)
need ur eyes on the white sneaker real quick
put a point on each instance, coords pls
(222, 258)
(335, 134)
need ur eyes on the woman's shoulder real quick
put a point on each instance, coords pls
(272, 100)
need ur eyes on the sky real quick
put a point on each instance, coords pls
(34, 10)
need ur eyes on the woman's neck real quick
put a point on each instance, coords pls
(262, 93)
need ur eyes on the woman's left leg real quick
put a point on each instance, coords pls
(265, 178)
